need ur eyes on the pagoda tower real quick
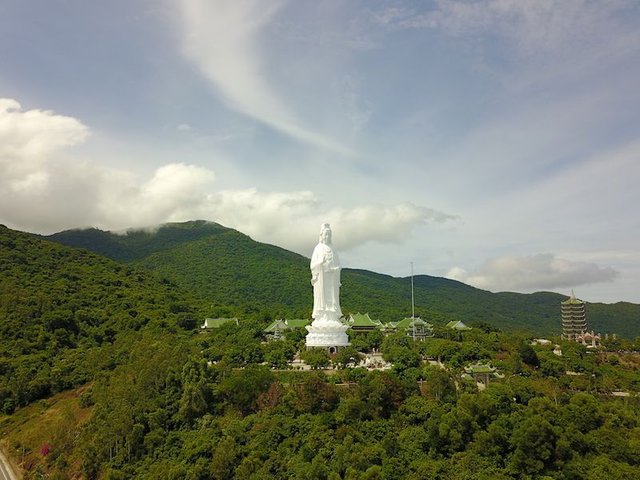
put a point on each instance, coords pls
(574, 318)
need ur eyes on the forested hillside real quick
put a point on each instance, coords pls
(135, 244)
(146, 397)
(68, 314)
(229, 268)
(206, 407)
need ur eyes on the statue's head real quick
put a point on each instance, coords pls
(325, 234)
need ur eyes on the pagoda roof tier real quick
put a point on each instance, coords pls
(287, 324)
(363, 320)
(410, 322)
(457, 325)
(572, 300)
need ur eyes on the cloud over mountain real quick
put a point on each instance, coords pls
(533, 272)
(46, 189)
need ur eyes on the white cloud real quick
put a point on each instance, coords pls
(389, 224)
(57, 192)
(223, 40)
(534, 272)
(27, 137)
(291, 219)
(173, 193)
(35, 132)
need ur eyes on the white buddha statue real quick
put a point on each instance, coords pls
(325, 276)
(326, 330)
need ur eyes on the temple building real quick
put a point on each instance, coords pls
(457, 325)
(589, 339)
(481, 373)
(210, 323)
(360, 322)
(574, 323)
(414, 327)
(574, 318)
(277, 329)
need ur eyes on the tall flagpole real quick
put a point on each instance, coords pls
(413, 306)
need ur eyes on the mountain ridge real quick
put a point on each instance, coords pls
(229, 268)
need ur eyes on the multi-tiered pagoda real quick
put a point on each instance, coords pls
(574, 318)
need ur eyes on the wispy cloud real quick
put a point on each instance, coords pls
(223, 39)
(533, 26)
(529, 42)
(534, 272)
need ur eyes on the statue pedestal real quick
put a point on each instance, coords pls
(327, 331)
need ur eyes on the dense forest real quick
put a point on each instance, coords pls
(105, 374)
(66, 314)
(212, 406)
(229, 268)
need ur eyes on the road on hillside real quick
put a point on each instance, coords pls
(6, 472)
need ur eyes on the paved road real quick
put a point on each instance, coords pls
(6, 473)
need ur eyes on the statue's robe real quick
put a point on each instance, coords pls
(325, 273)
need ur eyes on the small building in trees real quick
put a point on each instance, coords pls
(277, 329)
(458, 325)
(589, 339)
(414, 327)
(481, 373)
(218, 322)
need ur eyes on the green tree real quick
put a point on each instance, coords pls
(347, 357)
(279, 353)
(367, 342)
(316, 358)
(528, 354)
(534, 443)
(314, 394)
(437, 384)
(382, 392)
(193, 403)
(402, 357)
(241, 388)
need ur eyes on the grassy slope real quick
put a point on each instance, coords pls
(227, 267)
(55, 421)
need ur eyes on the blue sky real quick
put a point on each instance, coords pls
(491, 141)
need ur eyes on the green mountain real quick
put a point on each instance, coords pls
(156, 400)
(136, 244)
(226, 267)
(68, 314)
